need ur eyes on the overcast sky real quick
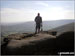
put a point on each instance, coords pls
(23, 11)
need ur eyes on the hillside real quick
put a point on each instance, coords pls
(63, 28)
(30, 26)
(45, 43)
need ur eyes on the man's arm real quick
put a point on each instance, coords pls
(41, 19)
(35, 19)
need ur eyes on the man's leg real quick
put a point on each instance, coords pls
(36, 29)
(39, 28)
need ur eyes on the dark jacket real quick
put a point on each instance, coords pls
(38, 19)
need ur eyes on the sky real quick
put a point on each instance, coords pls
(24, 11)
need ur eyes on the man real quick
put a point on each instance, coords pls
(38, 20)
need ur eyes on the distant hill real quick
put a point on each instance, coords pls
(30, 26)
(64, 28)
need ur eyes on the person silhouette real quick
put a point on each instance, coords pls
(38, 21)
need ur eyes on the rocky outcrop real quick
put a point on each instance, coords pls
(44, 43)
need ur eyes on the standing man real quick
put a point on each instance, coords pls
(38, 20)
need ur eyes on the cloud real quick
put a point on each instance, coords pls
(69, 14)
(42, 4)
(10, 15)
(57, 13)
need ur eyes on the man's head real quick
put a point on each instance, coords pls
(38, 14)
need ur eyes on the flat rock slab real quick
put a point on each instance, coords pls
(30, 40)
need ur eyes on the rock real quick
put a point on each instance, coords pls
(17, 36)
